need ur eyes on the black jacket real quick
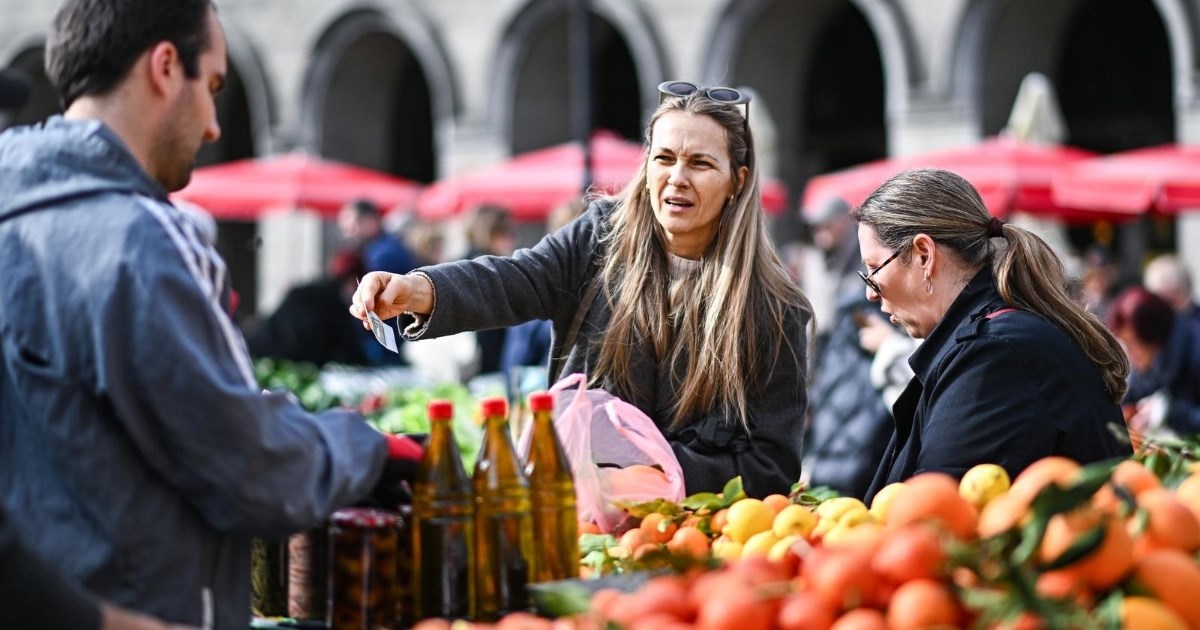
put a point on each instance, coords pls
(1007, 390)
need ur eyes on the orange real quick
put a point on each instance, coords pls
(1005, 512)
(1134, 477)
(656, 529)
(933, 497)
(805, 611)
(588, 527)
(718, 520)
(739, 606)
(861, 619)
(663, 594)
(634, 538)
(1174, 579)
(1039, 474)
(1143, 613)
(523, 621)
(923, 604)
(1169, 523)
(1107, 563)
(1189, 493)
(842, 576)
(776, 502)
(1061, 584)
(909, 553)
(689, 541)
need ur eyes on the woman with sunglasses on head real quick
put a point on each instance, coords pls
(1011, 369)
(669, 295)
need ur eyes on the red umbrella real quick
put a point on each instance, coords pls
(1009, 175)
(530, 185)
(246, 188)
(1163, 179)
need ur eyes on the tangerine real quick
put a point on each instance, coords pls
(1189, 493)
(1105, 565)
(1134, 477)
(805, 611)
(1174, 579)
(934, 497)
(657, 528)
(1169, 523)
(910, 553)
(776, 502)
(689, 541)
(841, 576)
(1139, 613)
(1039, 474)
(860, 619)
(1006, 512)
(923, 604)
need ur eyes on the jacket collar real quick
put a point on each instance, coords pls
(973, 302)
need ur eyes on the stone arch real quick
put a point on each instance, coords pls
(531, 84)
(1141, 55)
(377, 86)
(245, 107)
(850, 66)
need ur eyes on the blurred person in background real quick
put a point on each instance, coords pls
(490, 232)
(310, 323)
(1164, 386)
(1166, 277)
(669, 295)
(1011, 369)
(139, 455)
(1099, 280)
(361, 225)
(427, 242)
(848, 423)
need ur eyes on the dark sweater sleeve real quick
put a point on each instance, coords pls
(713, 450)
(34, 596)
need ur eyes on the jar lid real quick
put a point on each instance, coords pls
(365, 518)
(541, 401)
(494, 406)
(441, 410)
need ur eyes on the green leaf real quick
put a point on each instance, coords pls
(1083, 546)
(733, 491)
(595, 559)
(1107, 614)
(589, 543)
(701, 500)
(642, 510)
(560, 600)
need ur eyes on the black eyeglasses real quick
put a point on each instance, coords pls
(866, 277)
(726, 95)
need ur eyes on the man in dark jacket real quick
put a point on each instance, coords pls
(139, 454)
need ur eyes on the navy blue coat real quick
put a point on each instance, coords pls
(1007, 390)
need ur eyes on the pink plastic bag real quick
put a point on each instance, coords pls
(616, 452)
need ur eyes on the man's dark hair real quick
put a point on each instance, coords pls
(94, 43)
(365, 208)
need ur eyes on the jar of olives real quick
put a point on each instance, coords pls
(364, 549)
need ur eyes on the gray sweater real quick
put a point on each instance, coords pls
(548, 281)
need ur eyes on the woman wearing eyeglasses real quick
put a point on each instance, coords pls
(679, 302)
(1011, 369)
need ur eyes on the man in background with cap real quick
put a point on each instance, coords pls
(848, 424)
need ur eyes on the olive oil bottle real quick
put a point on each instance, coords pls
(442, 524)
(503, 527)
(552, 493)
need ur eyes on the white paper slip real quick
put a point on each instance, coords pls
(383, 332)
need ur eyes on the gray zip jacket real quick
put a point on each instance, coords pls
(136, 450)
(549, 280)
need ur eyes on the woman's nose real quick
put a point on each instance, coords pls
(677, 176)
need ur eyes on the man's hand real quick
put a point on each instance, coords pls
(389, 294)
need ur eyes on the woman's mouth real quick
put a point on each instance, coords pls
(677, 204)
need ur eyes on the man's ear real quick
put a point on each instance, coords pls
(164, 67)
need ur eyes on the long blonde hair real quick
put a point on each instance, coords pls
(1029, 275)
(740, 294)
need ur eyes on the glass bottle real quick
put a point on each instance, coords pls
(442, 524)
(503, 527)
(552, 493)
(363, 548)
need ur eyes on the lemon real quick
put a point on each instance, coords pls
(747, 518)
(884, 498)
(725, 548)
(846, 510)
(983, 483)
(794, 519)
(783, 546)
(759, 544)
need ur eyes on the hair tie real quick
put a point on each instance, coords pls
(995, 228)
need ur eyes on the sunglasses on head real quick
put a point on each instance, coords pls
(726, 95)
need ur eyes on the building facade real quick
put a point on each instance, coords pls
(430, 88)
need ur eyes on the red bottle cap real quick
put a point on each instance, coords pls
(494, 406)
(441, 410)
(541, 401)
